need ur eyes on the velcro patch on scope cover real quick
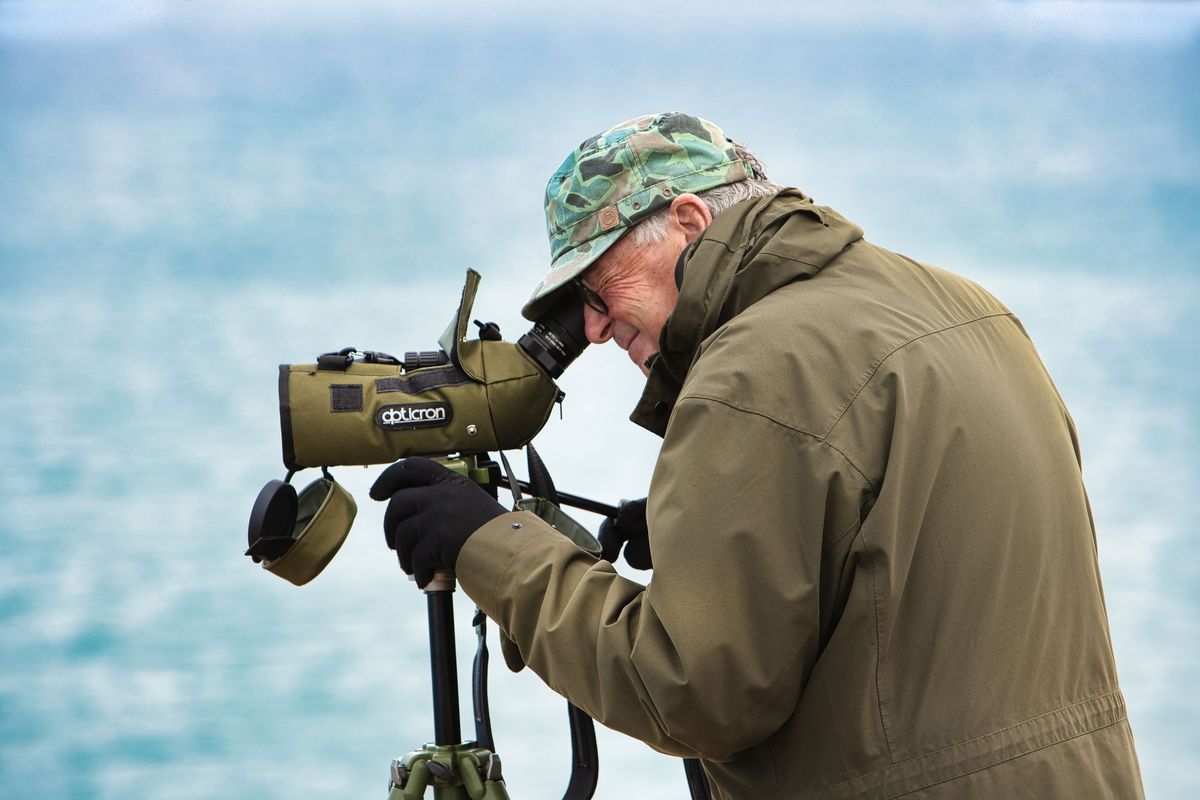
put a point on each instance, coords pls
(346, 397)
(423, 380)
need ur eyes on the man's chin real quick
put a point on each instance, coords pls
(643, 361)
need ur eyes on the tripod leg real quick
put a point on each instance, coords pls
(440, 594)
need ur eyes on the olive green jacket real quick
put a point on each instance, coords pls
(875, 569)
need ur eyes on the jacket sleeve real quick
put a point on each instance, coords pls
(711, 657)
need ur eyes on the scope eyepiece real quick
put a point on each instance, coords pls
(557, 338)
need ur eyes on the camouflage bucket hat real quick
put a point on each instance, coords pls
(618, 178)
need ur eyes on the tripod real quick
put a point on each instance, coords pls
(470, 770)
(456, 770)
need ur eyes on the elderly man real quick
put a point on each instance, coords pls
(875, 568)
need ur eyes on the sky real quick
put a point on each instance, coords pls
(195, 192)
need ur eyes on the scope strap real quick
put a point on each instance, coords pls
(697, 779)
(339, 361)
(479, 670)
(585, 758)
(513, 484)
(479, 685)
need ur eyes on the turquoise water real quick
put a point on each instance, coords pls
(190, 197)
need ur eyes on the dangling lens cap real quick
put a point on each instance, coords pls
(272, 521)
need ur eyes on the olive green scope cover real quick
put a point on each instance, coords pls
(377, 413)
(491, 396)
(325, 512)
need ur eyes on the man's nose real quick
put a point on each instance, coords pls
(597, 327)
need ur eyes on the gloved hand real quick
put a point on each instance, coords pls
(431, 514)
(628, 526)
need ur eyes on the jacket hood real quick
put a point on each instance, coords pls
(748, 251)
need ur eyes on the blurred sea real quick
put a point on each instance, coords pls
(191, 195)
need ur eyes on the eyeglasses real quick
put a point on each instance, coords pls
(590, 297)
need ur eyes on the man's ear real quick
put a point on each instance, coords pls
(691, 214)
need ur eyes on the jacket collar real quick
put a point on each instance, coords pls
(748, 251)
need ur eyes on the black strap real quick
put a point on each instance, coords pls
(585, 758)
(479, 670)
(540, 482)
(513, 484)
(479, 684)
(339, 361)
(697, 779)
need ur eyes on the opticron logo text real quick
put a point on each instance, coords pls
(412, 415)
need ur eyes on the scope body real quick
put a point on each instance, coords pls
(474, 396)
(372, 413)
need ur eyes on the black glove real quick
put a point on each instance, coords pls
(431, 514)
(628, 526)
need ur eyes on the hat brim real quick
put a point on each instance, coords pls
(566, 268)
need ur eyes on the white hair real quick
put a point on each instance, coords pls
(654, 227)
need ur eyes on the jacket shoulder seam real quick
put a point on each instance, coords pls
(822, 440)
(878, 364)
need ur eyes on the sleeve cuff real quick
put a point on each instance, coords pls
(488, 553)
